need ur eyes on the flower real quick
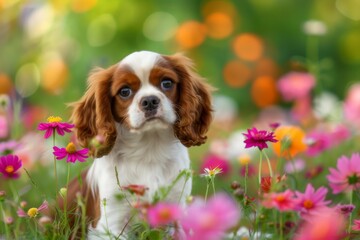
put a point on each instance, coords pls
(311, 200)
(54, 123)
(345, 209)
(326, 223)
(347, 175)
(255, 138)
(163, 213)
(9, 165)
(71, 153)
(352, 105)
(214, 165)
(136, 189)
(283, 201)
(356, 226)
(294, 166)
(291, 141)
(314, 172)
(295, 85)
(318, 142)
(32, 212)
(210, 220)
(8, 147)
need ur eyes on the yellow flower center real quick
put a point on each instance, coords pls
(70, 148)
(32, 212)
(53, 119)
(244, 160)
(308, 204)
(9, 169)
(280, 198)
(165, 214)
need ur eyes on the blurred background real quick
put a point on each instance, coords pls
(243, 48)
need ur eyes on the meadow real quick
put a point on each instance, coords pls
(282, 158)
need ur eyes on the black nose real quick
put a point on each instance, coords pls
(149, 103)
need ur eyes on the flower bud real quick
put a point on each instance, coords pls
(63, 192)
(23, 204)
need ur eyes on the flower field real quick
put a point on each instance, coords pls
(282, 157)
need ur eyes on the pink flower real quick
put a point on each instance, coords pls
(347, 175)
(311, 200)
(213, 161)
(339, 134)
(356, 226)
(4, 127)
(32, 212)
(210, 220)
(71, 153)
(9, 165)
(283, 201)
(345, 209)
(8, 147)
(326, 224)
(352, 104)
(163, 213)
(255, 138)
(296, 85)
(54, 123)
(318, 142)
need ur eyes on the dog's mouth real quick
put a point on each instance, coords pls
(152, 123)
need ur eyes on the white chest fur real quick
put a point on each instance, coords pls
(152, 158)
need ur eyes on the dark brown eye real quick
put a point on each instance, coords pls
(125, 92)
(166, 84)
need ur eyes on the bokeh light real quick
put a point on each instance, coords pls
(349, 46)
(101, 30)
(54, 75)
(27, 79)
(248, 47)
(160, 26)
(266, 66)
(219, 6)
(5, 84)
(236, 74)
(190, 34)
(37, 21)
(219, 25)
(264, 92)
(82, 5)
(349, 8)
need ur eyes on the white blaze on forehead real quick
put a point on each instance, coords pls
(141, 63)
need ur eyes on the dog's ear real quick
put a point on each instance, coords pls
(193, 107)
(92, 114)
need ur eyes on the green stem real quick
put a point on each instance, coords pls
(260, 165)
(65, 197)
(36, 229)
(246, 176)
(281, 226)
(213, 184)
(14, 192)
(207, 190)
(183, 188)
(55, 171)
(269, 164)
(350, 216)
(7, 232)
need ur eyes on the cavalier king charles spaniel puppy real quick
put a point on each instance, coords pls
(148, 108)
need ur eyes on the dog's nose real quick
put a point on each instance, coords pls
(149, 103)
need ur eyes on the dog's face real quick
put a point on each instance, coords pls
(144, 91)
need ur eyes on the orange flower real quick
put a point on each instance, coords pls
(291, 141)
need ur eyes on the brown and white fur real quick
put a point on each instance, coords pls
(149, 108)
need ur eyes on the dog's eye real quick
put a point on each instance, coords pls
(125, 92)
(166, 84)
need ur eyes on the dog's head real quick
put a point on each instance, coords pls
(142, 92)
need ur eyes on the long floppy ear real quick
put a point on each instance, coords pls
(194, 107)
(92, 114)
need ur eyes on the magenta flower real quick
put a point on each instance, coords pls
(347, 175)
(71, 153)
(9, 165)
(295, 85)
(326, 223)
(163, 213)
(311, 200)
(318, 142)
(283, 201)
(210, 220)
(356, 225)
(54, 123)
(345, 209)
(213, 161)
(32, 212)
(255, 138)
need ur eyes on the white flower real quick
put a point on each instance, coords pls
(314, 27)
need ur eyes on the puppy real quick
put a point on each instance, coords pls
(148, 108)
